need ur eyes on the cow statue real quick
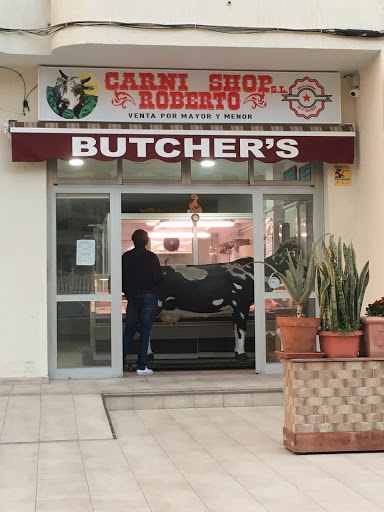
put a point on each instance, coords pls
(204, 290)
(70, 94)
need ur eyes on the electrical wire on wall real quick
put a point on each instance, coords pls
(52, 29)
(226, 29)
(25, 104)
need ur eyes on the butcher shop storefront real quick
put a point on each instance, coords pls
(220, 168)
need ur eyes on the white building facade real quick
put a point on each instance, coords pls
(64, 228)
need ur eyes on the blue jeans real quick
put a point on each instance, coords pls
(141, 313)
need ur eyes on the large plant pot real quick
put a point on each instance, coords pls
(338, 344)
(298, 334)
(372, 344)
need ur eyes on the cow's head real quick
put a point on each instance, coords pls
(70, 92)
(279, 259)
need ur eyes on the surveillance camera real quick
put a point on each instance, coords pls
(354, 92)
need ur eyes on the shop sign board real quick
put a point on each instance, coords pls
(342, 176)
(38, 144)
(188, 96)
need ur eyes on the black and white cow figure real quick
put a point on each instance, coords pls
(203, 290)
(69, 93)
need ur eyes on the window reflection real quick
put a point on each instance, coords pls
(288, 226)
(219, 170)
(83, 334)
(151, 169)
(83, 261)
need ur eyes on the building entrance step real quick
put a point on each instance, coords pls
(193, 398)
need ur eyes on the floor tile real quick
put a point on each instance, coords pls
(21, 426)
(65, 505)
(100, 455)
(18, 507)
(121, 484)
(60, 460)
(23, 403)
(91, 419)
(60, 488)
(169, 492)
(112, 504)
(26, 389)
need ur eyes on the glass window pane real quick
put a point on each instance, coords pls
(224, 240)
(83, 259)
(288, 225)
(151, 169)
(273, 309)
(285, 170)
(83, 334)
(171, 239)
(184, 203)
(89, 170)
(219, 170)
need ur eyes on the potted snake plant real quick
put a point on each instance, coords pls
(340, 290)
(298, 333)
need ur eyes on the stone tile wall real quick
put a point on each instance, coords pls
(331, 395)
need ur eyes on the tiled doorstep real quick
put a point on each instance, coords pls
(140, 400)
(167, 381)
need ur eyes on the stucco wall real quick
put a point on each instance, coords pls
(369, 179)
(274, 13)
(23, 298)
(355, 212)
(352, 212)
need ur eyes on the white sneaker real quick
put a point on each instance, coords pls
(146, 371)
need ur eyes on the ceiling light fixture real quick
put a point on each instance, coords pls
(76, 162)
(207, 163)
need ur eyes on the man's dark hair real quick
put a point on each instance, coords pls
(140, 238)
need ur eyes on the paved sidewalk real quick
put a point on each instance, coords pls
(57, 454)
(166, 381)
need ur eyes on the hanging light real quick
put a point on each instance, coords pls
(207, 163)
(160, 235)
(188, 224)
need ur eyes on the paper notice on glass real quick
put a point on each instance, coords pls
(85, 252)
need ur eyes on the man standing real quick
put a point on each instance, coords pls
(141, 277)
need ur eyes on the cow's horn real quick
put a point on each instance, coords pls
(63, 75)
(85, 80)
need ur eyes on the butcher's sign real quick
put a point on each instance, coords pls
(188, 96)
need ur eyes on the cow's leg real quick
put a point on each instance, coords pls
(150, 356)
(240, 325)
(240, 353)
(236, 337)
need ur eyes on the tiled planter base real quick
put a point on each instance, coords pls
(334, 405)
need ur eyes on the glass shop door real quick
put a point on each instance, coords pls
(82, 310)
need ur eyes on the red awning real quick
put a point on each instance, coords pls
(36, 142)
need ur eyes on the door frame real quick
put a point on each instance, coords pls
(115, 191)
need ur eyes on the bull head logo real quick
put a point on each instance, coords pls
(70, 95)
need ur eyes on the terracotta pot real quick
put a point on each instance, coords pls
(340, 345)
(372, 344)
(298, 334)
